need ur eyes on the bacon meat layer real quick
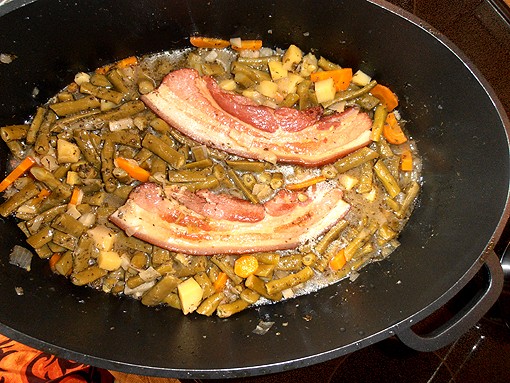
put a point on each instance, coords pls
(198, 108)
(205, 223)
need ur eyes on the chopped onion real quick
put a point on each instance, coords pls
(139, 290)
(21, 257)
(262, 327)
(149, 274)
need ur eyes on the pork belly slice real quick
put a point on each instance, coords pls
(205, 223)
(198, 108)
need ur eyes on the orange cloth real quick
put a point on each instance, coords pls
(23, 364)
(128, 378)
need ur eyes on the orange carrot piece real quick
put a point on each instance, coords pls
(246, 265)
(208, 42)
(76, 197)
(17, 172)
(406, 161)
(387, 97)
(128, 61)
(341, 77)
(133, 169)
(53, 260)
(304, 184)
(220, 282)
(104, 69)
(249, 44)
(42, 195)
(392, 130)
(338, 260)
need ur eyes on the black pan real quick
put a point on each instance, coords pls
(462, 133)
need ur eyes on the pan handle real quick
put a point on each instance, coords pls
(465, 318)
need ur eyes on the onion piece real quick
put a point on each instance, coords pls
(21, 257)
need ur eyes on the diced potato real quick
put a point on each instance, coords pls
(347, 181)
(325, 90)
(292, 57)
(289, 84)
(103, 237)
(361, 78)
(229, 84)
(67, 151)
(370, 196)
(190, 295)
(109, 260)
(268, 88)
(73, 178)
(277, 70)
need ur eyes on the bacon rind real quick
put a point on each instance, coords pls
(151, 215)
(184, 100)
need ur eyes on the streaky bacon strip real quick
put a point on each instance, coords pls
(201, 224)
(198, 108)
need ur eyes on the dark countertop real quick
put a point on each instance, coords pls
(483, 354)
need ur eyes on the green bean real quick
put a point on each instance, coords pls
(188, 175)
(212, 69)
(209, 305)
(290, 100)
(84, 253)
(249, 180)
(386, 178)
(377, 126)
(88, 150)
(240, 184)
(43, 252)
(158, 165)
(384, 149)
(87, 276)
(16, 148)
(351, 94)
(68, 225)
(329, 171)
(42, 141)
(227, 309)
(13, 132)
(139, 260)
(210, 182)
(258, 62)
(249, 296)
(98, 79)
(110, 183)
(325, 64)
(252, 73)
(205, 163)
(160, 126)
(268, 258)
(42, 237)
(355, 159)
(161, 149)
(102, 93)
(173, 300)
(137, 244)
(290, 262)
(247, 166)
(56, 248)
(256, 284)
(126, 138)
(276, 181)
(127, 109)
(145, 86)
(226, 268)
(194, 266)
(244, 80)
(160, 256)
(44, 218)
(200, 152)
(366, 177)
(71, 107)
(137, 280)
(64, 264)
(160, 290)
(265, 270)
(309, 259)
(303, 91)
(142, 155)
(278, 285)
(205, 283)
(367, 101)
(410, 196)
(18, 199)
(65, 240)
(330, 236)
(116, 80)
(359, 240)
(49, 179)
(35, 125)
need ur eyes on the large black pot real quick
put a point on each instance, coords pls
(460, 127)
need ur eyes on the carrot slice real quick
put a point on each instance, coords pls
(208, 42)
(248, 44)
(220, 282)
(406, 161)
(392, 130)
(53, 260)
(133, 169)
(76, 197)
(306, 183)
(338, 260)
(341, 77)
(128, 61)
(387, 97)
(246, 265)
(17, 172)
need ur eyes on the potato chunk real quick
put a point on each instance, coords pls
(190, 295)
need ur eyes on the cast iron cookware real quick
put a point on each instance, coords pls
(460, 127)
